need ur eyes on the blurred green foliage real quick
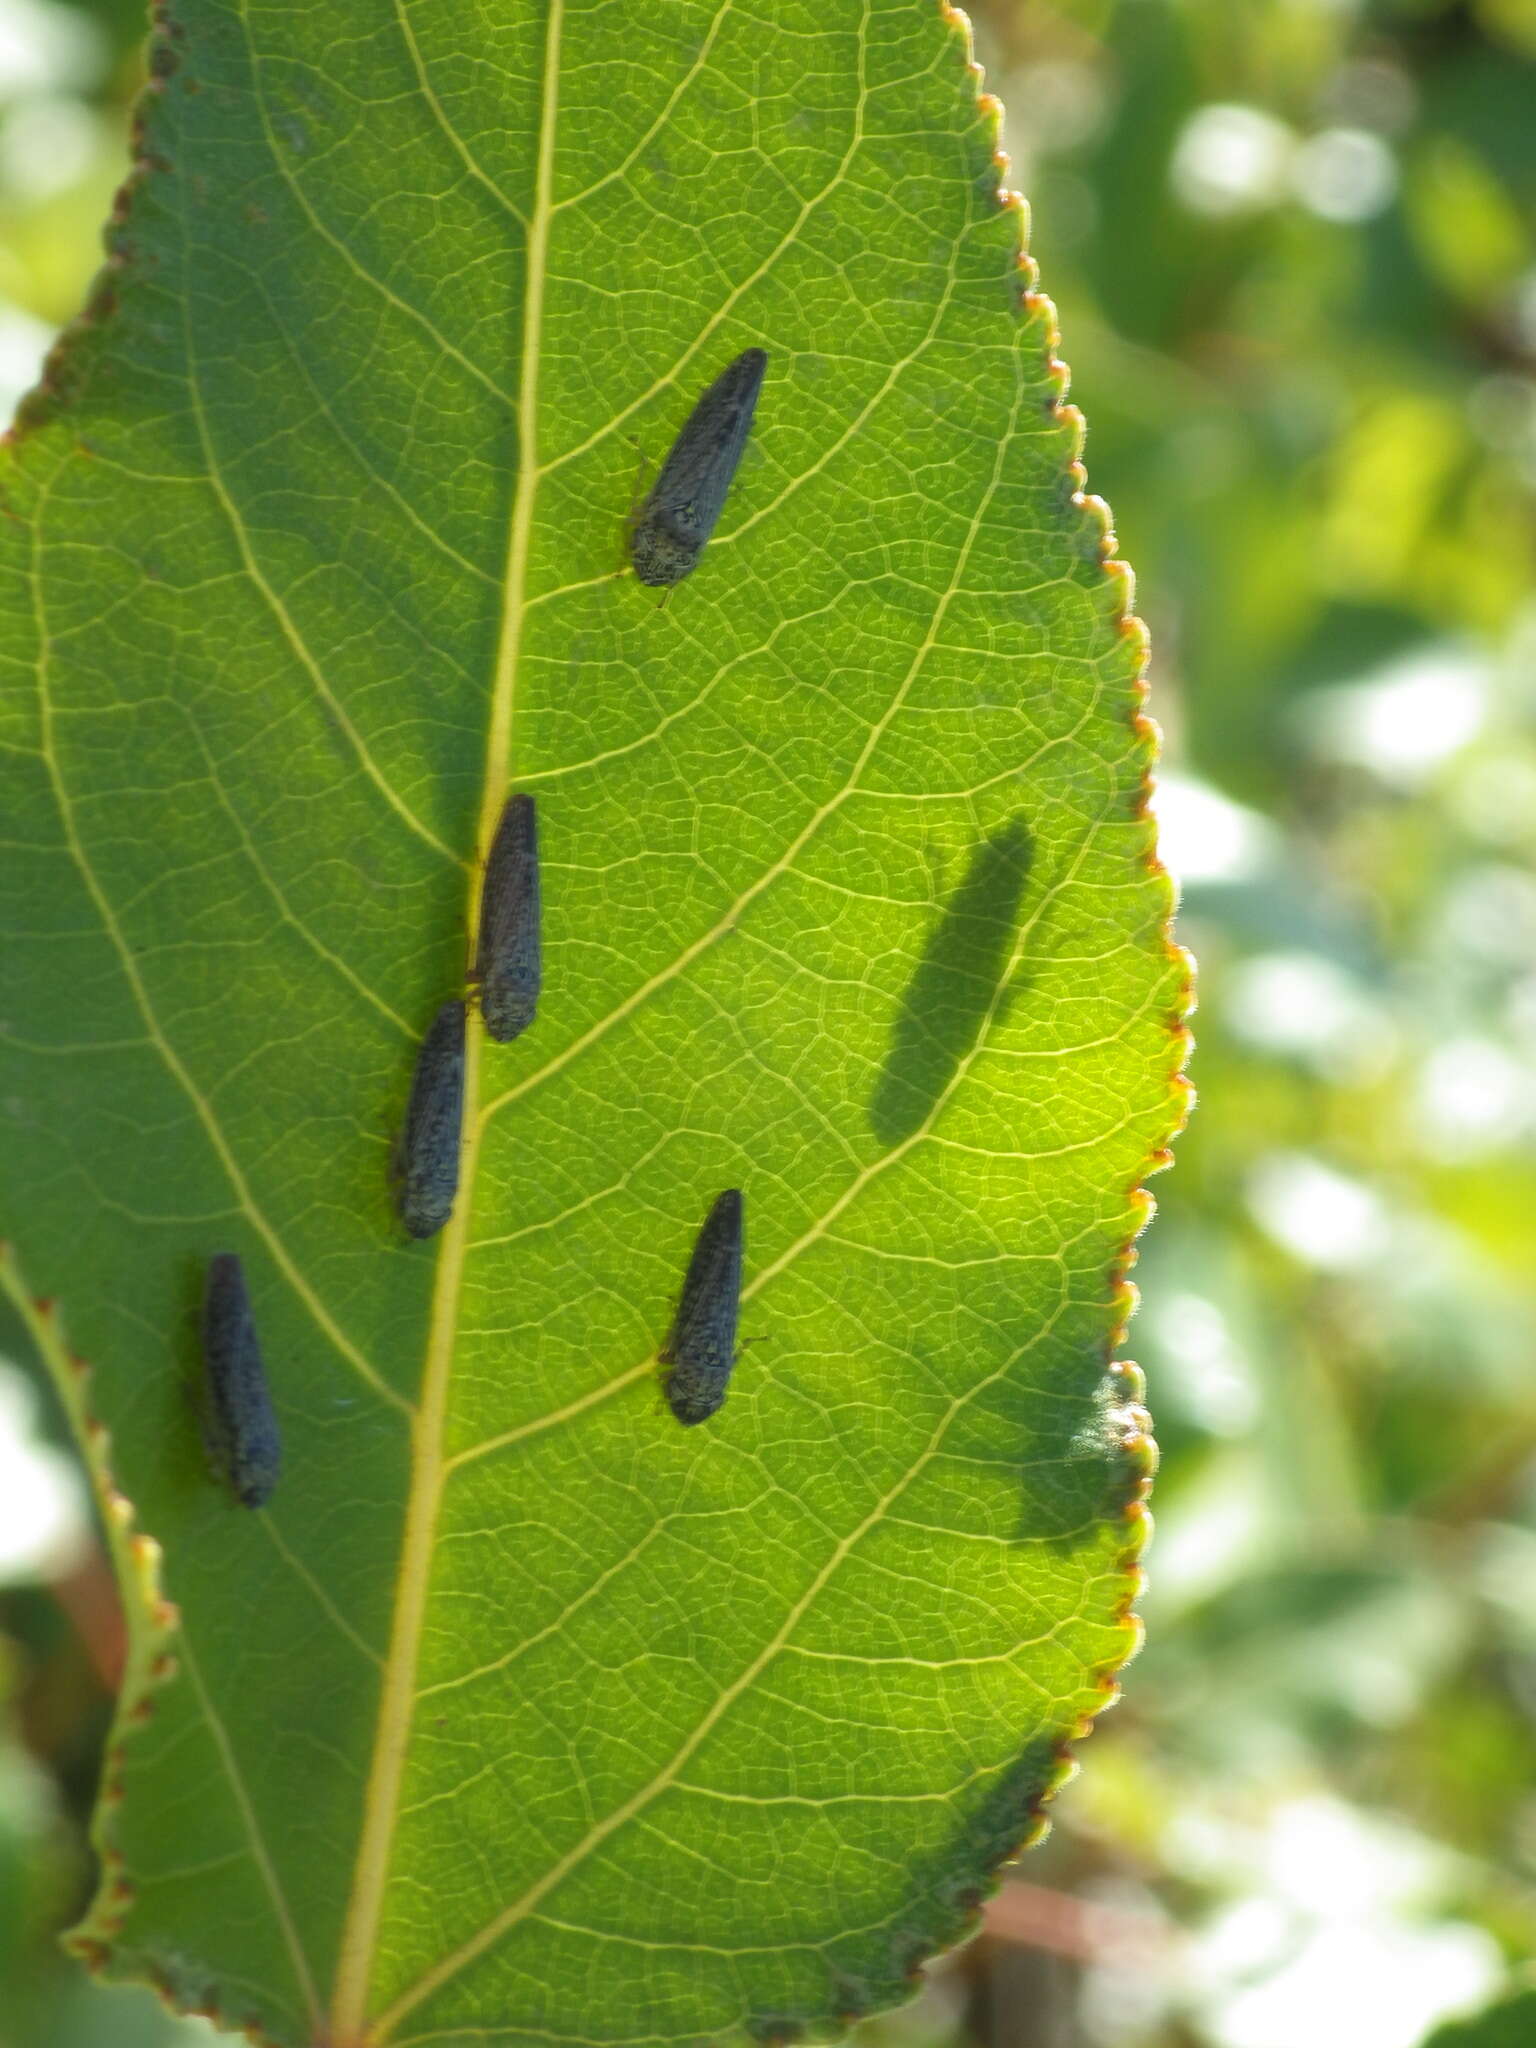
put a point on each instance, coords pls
(1292, 245)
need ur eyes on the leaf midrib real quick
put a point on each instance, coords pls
(354, 1975)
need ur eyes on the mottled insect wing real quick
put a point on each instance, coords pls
(508, 953)
(239, 1426)
(701, 1350)
(679, 513)
(429, 1144)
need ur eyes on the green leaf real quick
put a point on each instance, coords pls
(523, 1714)
(1506, 2024)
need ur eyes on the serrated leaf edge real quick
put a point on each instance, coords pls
(150, 1619)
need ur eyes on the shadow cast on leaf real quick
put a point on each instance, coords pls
(954, 985)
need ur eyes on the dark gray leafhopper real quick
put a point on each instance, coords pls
(239, 1427)
(701, 1349)
(679, 514)
(428, 1156)
(508, 955)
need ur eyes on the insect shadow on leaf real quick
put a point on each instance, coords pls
(954, 984)
(1103, 1471)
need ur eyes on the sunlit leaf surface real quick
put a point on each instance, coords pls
(524, 1714)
